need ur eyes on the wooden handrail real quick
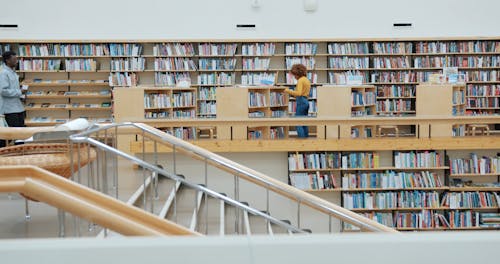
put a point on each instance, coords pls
(86, 203)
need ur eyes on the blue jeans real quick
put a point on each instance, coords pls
(302, 110)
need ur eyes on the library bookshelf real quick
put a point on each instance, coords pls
(394, 66)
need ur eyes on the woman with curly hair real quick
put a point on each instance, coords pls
(301, 93)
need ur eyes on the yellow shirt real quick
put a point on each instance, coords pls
(302, 88)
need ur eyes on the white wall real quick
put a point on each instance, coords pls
(190, 19)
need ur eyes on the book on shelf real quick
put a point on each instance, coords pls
(258, 49)
(172, 79)
(391, 179)
(277, 133)
(80, 65)
(313, 181)
(349, 62)
(106, 104)
(419, 159)
(216, 64)
(256, 114)
(123, 79)
(435, 47)
(395, 91)
(185, 133)
(392, 47)
(256, 63)
(391, 200)
(391, 62)
(360, 160)
(184, 113)
(183, 99)
(396, 105)
(54, 49)
(220, 78)
(206, 93)
(207, 108)
(174, 64)
(206, 49)
(39, 65)
(483, 90)
(301, 48)
(173, 49)
(429, 62)
(129, 64)
(455, 200)
(261, 78)
(157, 100)
(342, 78)
(277, 99)
(399, 76)
(125, 49)
(348, 48)
(475, 165)
(255, 134)
(382, 218)
(326, 160)
(256, 99)
(156, 115)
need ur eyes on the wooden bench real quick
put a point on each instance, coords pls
(484, 128)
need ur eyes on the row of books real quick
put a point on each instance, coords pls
(277, 133)
(455, 200)
(207, 108)
(258, 49)
(80, 65)
(156, 115)
(343, 77)
(356, 132)
(391, 62)
(313, 107)
(206, 93)
(217, 49)
(76, 82)
(131, 64)
(349, 62)
(176, 64)
(348, 48)
(188, 113)
(77, 49)
(428, 219)
(483, 90)
(46, 119)
(483, 76)
(420, 159)
(313, 181)
(255, 134)
(256, 99)
(326, 160)
(301, 48)
(483, 102)
(390, 200)
(123, 79)
(39, 65)
(392, 47)
(183, 99)
(475, 165)
(367, 111)
(474, 61)
(185, 133)
(72, 105)
(256, 114)
(217, 64)
(277, 99)
(279, 113)
(68, 93)
(359, 98)
(262, 78)
(458, 97)
(221, 78)
(395, 105)
(430, 61)
(256, 63)
(461, 46)
(391, 179)
(171, 79)
(157, 100)
(173, 49)
(395, 91)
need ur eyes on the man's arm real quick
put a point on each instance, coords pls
(7, 90)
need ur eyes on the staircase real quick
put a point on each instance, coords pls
(200, 203)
